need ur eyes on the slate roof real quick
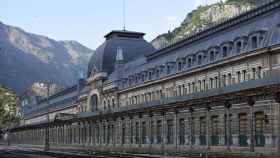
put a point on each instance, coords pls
(133, 46)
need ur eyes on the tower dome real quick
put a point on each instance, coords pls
(130, 44)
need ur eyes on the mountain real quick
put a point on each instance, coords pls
(26, 58)
(203, 17)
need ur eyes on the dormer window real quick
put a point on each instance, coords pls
(225, 51)
(199, 60)
(194, 59)
(180, 66)
(143, 77)
(254, 42)
(168, 69)
(150, 75)
(189, 62)
(217, 53)
(157, 73)
(238, 47)
(212, 56)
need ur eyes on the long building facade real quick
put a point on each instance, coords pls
(215, 91)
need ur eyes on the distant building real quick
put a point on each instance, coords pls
(215, 90)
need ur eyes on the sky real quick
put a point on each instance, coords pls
(87, 21)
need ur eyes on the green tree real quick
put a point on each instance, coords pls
(8, 111)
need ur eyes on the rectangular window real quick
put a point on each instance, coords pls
(238, 77)
(243, 129)
(215, 130)
(137, 139)
(202, 130)
(224, 80)
(259, 72)
(182, 131)
(123, 133)
(216, 82)
(159, 132)
(153, 132)
(144, 133)
(211, 83)
(131, 133)
(244, 75)
(253, 73)
(230, 128)
(259, 128)
(170, 129)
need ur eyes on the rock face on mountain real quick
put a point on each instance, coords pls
(26, 58)
(204, 16)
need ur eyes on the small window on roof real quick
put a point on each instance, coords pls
(212, 56)
(238, 47)
(168, 69)
(254, 42)
(150, 75)
(157, 73)
(225, 51)
(179, 66)
(189, 62)
(199, 60)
